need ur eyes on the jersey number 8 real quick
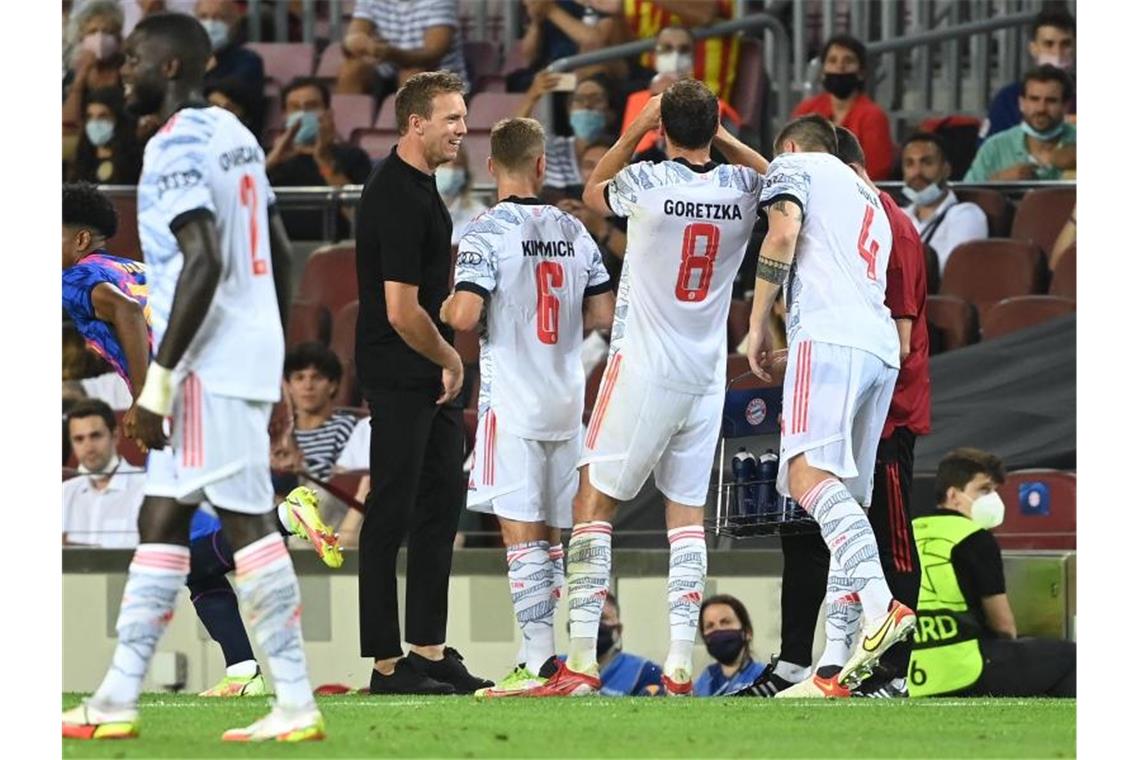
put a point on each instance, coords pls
(696, 271)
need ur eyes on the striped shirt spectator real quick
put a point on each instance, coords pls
(403, 25)
(322, 445)
(562, 163)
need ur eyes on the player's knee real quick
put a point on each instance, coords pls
(242, 530)
(164, 521)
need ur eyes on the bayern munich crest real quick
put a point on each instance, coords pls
(756, 411)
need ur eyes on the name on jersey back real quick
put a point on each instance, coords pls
(548, 248)
(691, 210)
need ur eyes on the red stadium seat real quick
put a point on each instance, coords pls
(332, 58)
(1064, 282)
(997, 208)
(985, 271)
(345, 484)
(1042, 213)
(748, 89)
(352, 112)
(343, 344)
(386, 117)
(1040, 510)
(285, 61)
(1013, 314)
(377, 143)
(953, 322)
(739, 313)
(486, 108)
(482, 61)
(329, 279)
(307, 321)
(125, 243)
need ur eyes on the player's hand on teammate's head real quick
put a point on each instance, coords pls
(148, 430)
(649, 118)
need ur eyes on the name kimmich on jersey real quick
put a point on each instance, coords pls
(688, 229)
(536, 264)
(204, 160)
(836, 290)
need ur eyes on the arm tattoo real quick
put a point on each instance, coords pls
(788, 209)
(772, 270)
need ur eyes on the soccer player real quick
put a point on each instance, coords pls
(662, 396)
(216, 298)
(535, 269)
(827, 246)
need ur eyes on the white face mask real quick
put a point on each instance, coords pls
(923, 197)
(449, 180)
(673, 63)
(1054, 59)
(988, 511)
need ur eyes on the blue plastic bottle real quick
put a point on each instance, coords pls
(744, 476)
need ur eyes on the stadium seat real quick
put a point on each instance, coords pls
(1013, 314)
(1064, 282)
(329, 279)
(478, 146)
(748, 89)
(274, 117)
(125, 243)
(997, 208)
(305, 323)
(739, 313)
(352, 112)
(1040, 510)
(1042, 213)
(985, 271)
(933, 269)
(285, 61)
(467, 344)
(332, 58)
(377, 143)
(959, 136)
(513, 59)
(386, 117)
(344, 484)
(486, 108)
(343, 344)
(953, 323)
(482, 61)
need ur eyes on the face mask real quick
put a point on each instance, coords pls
(99, 131)
(1046, 136)
(842, 85)
(1054, 59)
(988, 511)
(587, 124)
(449, 181)
(608, 638)
(724, 646)
(673, 62)
(310, 125)
(923, 197)
(102, 44)
(218, 32)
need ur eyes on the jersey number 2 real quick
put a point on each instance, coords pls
(548, 275)
(871, 252)
(248, 199)
(696, 271)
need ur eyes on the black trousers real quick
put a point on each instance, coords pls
(806, 558)
(1026, 668)
(416, 465)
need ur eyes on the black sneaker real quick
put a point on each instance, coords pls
(767, 685)
(407, 679)
(882, 688)
(549, 668)
(449, 670)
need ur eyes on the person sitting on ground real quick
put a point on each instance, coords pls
(966, 642)
(726, 630)
(1043, 146)
(845, 103)
(309, 153)
(108, 152)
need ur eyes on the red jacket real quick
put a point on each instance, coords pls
(906, 298)
(869, 124)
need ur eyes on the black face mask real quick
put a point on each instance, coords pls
(605, 639)
(724, 646)
(842, 85)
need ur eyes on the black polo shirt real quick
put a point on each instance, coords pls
(403, 234)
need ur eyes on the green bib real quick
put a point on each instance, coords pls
(946, 655)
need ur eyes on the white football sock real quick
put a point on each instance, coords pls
(588, 563)
(841, 625)
(688, 564)
(244, 669)
(531, 578)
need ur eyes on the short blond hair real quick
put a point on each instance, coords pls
(418, 93)
(517, 143)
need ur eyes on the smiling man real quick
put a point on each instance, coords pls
(411, 374)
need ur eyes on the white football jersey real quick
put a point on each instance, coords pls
(535, 265)
(688, 229)
(205, 160)
(836, 290)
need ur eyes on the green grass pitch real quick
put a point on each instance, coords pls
(361, 726)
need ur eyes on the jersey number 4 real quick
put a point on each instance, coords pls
(868, 252)
(548, 275)
(696, 271)
(248, 197)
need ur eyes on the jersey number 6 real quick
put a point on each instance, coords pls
(696, 271)
(548, 275)
(248, 197)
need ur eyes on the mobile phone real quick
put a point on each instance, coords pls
(566, 82)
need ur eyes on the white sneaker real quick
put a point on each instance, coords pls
(90, 720)
(282, 725)
(878, 636)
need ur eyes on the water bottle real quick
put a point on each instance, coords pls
(767, 467)
(744, 475)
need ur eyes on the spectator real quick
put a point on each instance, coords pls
(108, 152)
(312, 378)
(562, 28)
(454, 182)
(623, 674)
(717, 58)
(1053, 42)
(101, 507)
(941, 220)
(592, 119)
(95, 38)
(966, 641)
(726, 630)
(233, 95)
(388, 41)
(673, 61)
(309, 153)
(847, 105)
(231, 60)
(1043, 146)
